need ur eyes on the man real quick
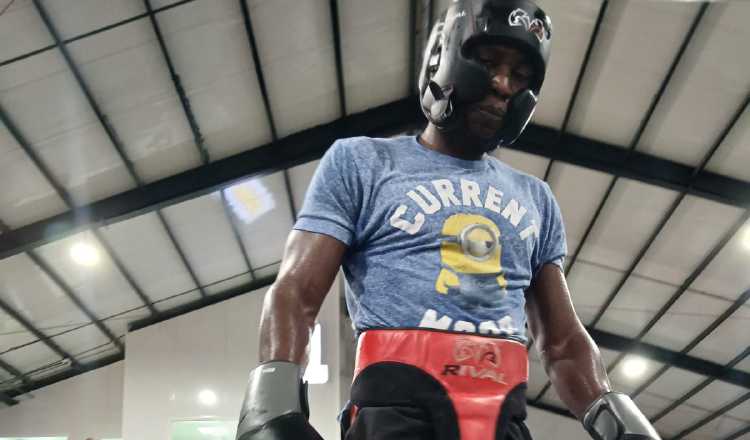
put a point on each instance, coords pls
(448, 253)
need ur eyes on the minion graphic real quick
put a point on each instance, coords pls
(470, 253)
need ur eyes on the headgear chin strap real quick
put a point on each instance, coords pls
(450, 80)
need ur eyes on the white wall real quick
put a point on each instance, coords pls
(214, 348)
(89, 405)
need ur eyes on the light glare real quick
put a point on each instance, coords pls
(746, 238)
(634, 367)
(84, 254)
(207, 398)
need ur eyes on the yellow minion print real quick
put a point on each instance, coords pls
(470, 248)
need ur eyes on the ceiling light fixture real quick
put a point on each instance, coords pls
(634, 367)
(84, 254)
(746, 238)
(207, 398)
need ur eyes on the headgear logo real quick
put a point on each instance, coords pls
(519, 17)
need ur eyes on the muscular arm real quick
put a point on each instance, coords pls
(308, 269)
(568, 353)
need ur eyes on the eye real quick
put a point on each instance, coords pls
(522, 74)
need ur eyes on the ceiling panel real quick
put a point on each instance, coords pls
(589, 286)
(119, 325)
(226, 100)
(264, 235)
(728, 340)
(732, 157)
(622, 382)
(203, 231)
(81, 339)
(674, 383)
(578, 191)
(716, 395)
(744, 365)
(712, 76)
(31, 357)
(47, 105)
(101, 287)
(12, 333)
(22, 30)
(651, 404)
(632, 212)
(299, 66)
(672, 257)
(30, 292)
(624, 77)
(727, 275)
(635, 305)
(229, 284)
(178, 300)
(161, 3)
(81, 16)
(679, 419)
(299, 180)
(689, 316)
(129, 78)
(741, 411)
(719, 428)
(268, 270)
(98, 353)
(26, 195)
(151, 259)
(527, 163)
(374, 38)
(572, 24)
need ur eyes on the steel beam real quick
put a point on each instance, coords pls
(336, 28)
(58, 280)
(579, 79)
(709, 418)
(631, 148)
(738, 433)
(92, 33)
(740, 302)
(310, 144)
(260, 76)
(696, 389)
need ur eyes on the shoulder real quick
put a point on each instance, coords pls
(535, 185)
(366, 150)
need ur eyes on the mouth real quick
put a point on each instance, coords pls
(492, 112)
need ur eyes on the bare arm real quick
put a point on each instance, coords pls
(308, 269)
(569, 355)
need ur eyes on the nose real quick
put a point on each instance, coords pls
(501, 83)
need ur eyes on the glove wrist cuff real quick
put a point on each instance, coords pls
(614, 416)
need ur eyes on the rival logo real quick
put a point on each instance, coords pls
(537, 26)
(473, 372)
(476, 360)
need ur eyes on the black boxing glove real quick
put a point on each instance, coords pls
(614, 416)
(275, 406)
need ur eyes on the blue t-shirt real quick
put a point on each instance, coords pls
(433, 240)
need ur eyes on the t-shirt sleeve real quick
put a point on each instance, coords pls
(332, 202)
(553, 245)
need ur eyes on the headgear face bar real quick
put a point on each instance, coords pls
(450, 79)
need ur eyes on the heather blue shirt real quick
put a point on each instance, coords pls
(433, 240)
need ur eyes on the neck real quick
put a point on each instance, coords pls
(452, 143)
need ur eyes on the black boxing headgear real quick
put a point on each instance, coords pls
(450, 79)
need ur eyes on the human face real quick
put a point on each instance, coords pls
(510, 72)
